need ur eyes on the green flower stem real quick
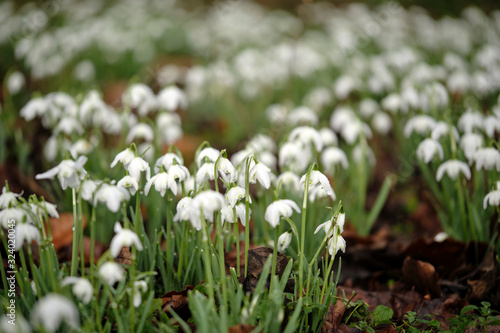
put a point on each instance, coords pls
(182, 251)
(132, 292)
(326, 280)
(247, 212)
(222, 267)
(80, 240)
(303, 231)
(236, 231)
(137, 221)
(169, 228)
(207, 260)
(275, 254)
(462, 210)
(76, 229)
(92, 244)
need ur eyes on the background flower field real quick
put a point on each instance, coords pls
(231, 166)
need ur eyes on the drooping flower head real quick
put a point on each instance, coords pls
(278, 209)
(68, 172)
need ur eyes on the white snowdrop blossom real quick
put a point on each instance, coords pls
(130, 183)
(136, 166)
(172, 98)
(111, 272)
(442, 128)
(140, 96)
(284, 241)
(421, 124)
(205, 202)
(382, 123)
(167, 161)
(227, 213)
(140, 287)
(88, 189)
(82, 288)
(21, 324)
(317, 178)
(470, 143)
(206, 171)
(278, 209)
(112, 196)
(35, 107)
(125, 157)
(338, 227)
(453, 168)
(440, 237)
(289, 180)
(209, 153)
(427, 149)
(261, 173)
(183, 209)
(43, 206)
(470, 120)
(13, 213)
(68, 172)
(26, 232)
(302, 115)
(140, 131)
(123, 238)
(307, 136)
(493, 197)
(332, 156)
(294, 157)
(7, 198)
(68, 126)
(491, 125)
(353, 130)
(261, 142)
(52, 310)
(340, 117)
(234, 195)
(227, 170)
(487, 158)
(15, 82)
(328, 137)
(335, 244)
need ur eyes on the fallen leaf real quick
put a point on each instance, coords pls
(230, 258)
(62, 229)
(422, 275)
(178, 302)
(124, 257)
(333, 317)
(256, 260)
(241, 328)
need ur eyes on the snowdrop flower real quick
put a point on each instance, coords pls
(227, 213)
(7, 198)
(172, 98)
(234, 195)
(340, 117)
(21, 325)
(183, 209)
(302, 115)
(35, 107)
(453, 168)
(123, 238)
(367, 107)
(15, 83)
(112, 196)
(88, 189)
(130, 183)
(111, 272)
(317, 178)
(382, 122)
(344, 85)
(328, 137)
(43, 206)
(332, 156)
(294, 156)
(284, 241)
(392, 103)
(168, 180)
(125, 157)
(80, 147)
(362, 152)
(421, 124)
(14, 213)
(307, 136)
(140, 96)
(260, 143)
(335, 244)
(227, 170)
(50, 311)
(470, 120)
(487, 158)
(139, 288)
(352, 130)
(289, 180)
(69, 172)
(26, 232)
(68, 126)
(427, 149)
(209, 153)
(167, 161)
(136, 166)
(206, 171)
(493, 197)
(277, 114)
(442, 128)
(470, 143)
(330, 230)
(440, 237)
(82, 288)
(209, 202)
(141, 131)
(260, 172)
(278, 209)
(491, 125)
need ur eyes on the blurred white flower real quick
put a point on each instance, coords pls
(470, 120)
(295, 157)
(206, 171)
(43, 206)
(261, 173)
(123, 238)
(332, 156)
(50, 312)
(284, 241)
(362, 153)
(13, 213)
(15, 82)
(354, 129)
(26, 232)
(234, 195)
(68, 172)
(335, 244)
(341, 116)
(68, 126)
(307, 136)
(453, 168)
(470, 143)
(491, 125)
(136, 166)
(289, 180)
(328, 137)
(20, 325)
(140, 287)
(111, 272)
(88, 189)
(82, 288)
(172, 98)
(442, 128)
(440, 237)
(422, 124)
(208, 153)
(228, 213)
(167, 161)
(317, 178)
(125, 157)
(80, 147)
(487, 158)
(427, 149)
(7, 198)
(84, 71)
(130, 183)
(382, 123)
(140, 96)
(261, 142)
(278, 209)
(367, 107)
(37, 106)
(112, 196)
(227, 170)
(140, 131)
(493, 197)
(302, 115)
